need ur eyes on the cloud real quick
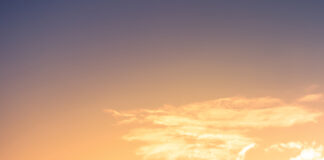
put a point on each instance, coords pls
(284, 146)
(310, 154)
(311, 98)
(216, 129)
(306, 151)
(242, 153)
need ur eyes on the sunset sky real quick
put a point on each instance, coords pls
(161, 80)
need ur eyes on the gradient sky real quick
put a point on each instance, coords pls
(79, 79)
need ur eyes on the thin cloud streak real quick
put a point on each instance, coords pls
(242, 153)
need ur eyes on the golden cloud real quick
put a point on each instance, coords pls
(215, 129)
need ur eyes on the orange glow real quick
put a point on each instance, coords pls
(161, 80)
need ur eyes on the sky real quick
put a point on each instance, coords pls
(161, 80)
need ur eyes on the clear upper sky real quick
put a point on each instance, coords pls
(62, 63)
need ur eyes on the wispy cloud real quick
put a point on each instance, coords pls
(284, 146)
(312, 98)
(312, 87)
(216, 129)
